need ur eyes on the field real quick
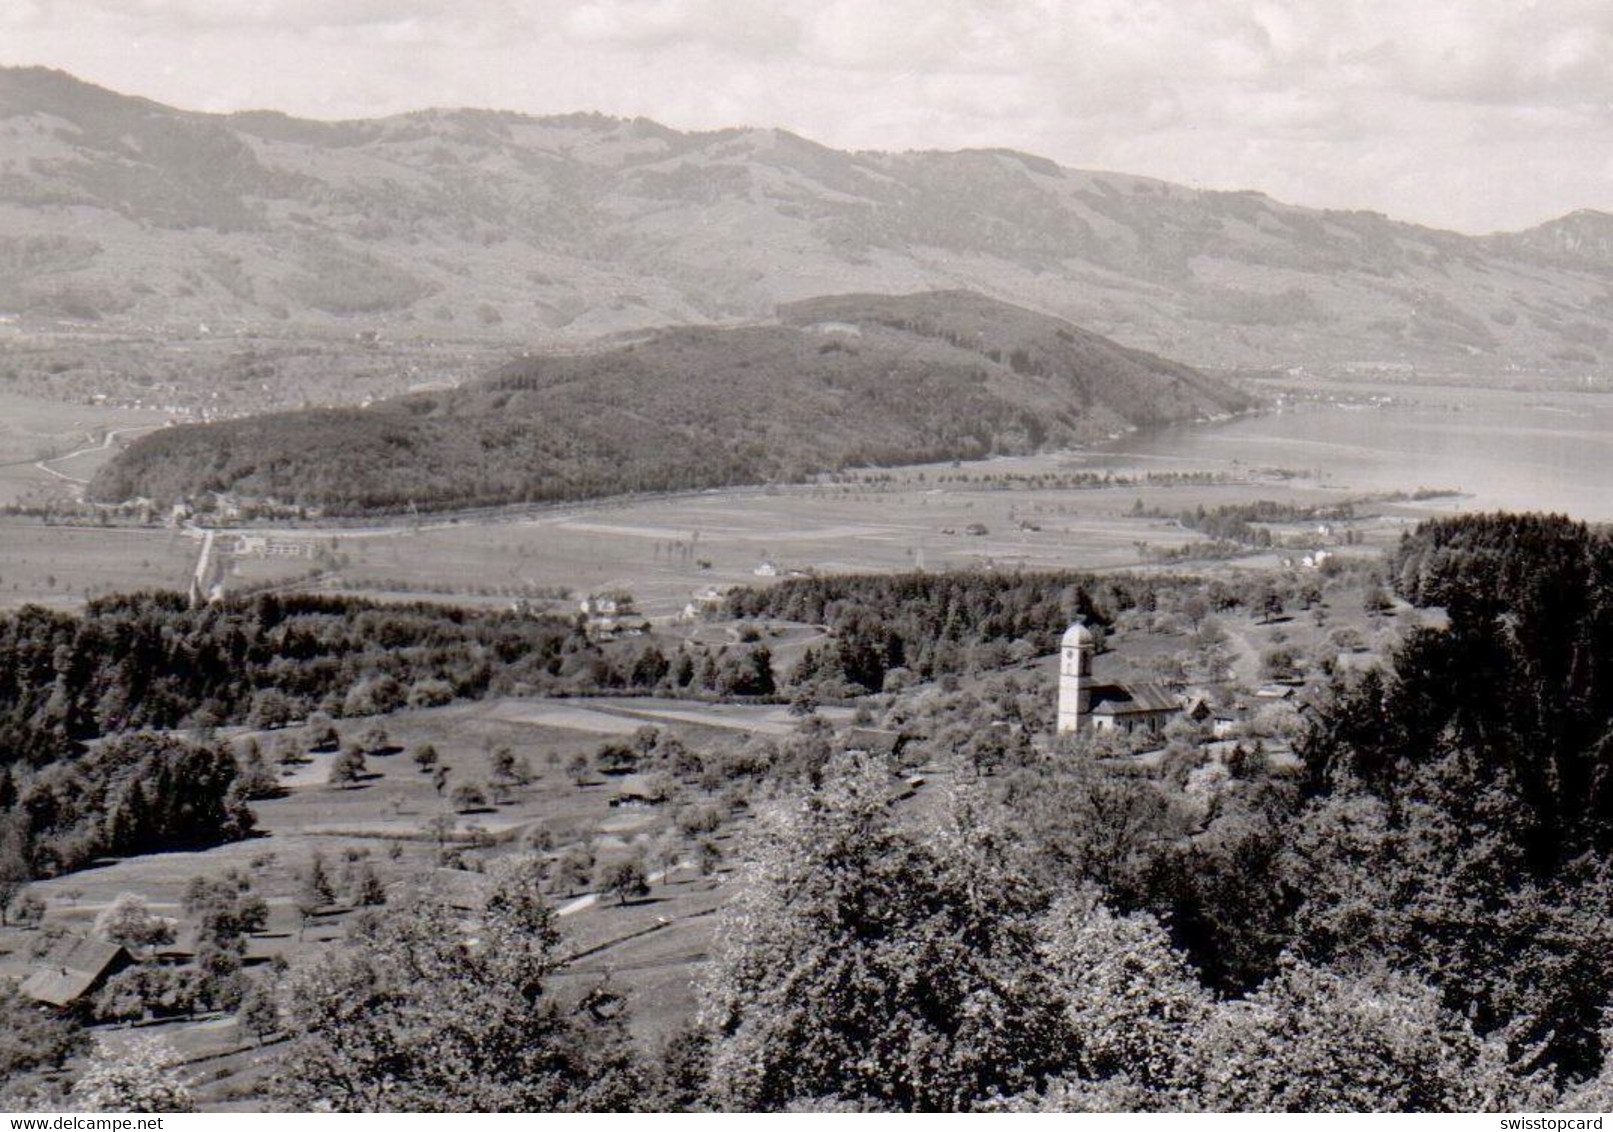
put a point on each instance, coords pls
(1031, 513)
(63, 566)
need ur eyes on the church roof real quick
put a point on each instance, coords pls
(1133, 699)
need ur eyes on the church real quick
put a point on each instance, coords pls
(1088, 706)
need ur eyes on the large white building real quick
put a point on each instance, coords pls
(1088, 706)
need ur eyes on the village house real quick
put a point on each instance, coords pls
(76, 968)
(705, 600)
(640, 790)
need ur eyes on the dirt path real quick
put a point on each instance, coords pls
(1246, 656)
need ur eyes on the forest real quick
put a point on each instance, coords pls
(890, 630)
(1416, 917)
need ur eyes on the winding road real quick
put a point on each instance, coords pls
(107, 441)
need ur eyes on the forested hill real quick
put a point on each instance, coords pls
(836, 382)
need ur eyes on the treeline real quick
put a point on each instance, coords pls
(1464, 794)
(149, 661)
(1247, 523)
(919, 626)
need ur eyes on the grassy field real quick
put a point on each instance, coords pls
(62, 566)
(992, 514)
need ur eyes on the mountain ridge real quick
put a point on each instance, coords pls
(118, 213)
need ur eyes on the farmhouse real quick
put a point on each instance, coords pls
(75, 968)
(639, 790)
(877, 740)
(1088, 706)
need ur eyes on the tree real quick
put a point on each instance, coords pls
(424, 756)
(260, 1010)
(1270, 603)
(224, 910)
(255, 778)
(29, 909)
(348, 767)
(217, 980)
(128, 920)
(815, 987)
(468, 796)
(1279, 664)
(623, 879)
(1315, 1040)
(316, 884)
(409, 1017)
(505, 769)
(14, 874)
(1195, 607)
(367, 891)
(708, 855)
(616, 758)
(270, 709)
(573, 869)
(32, 1040)
(1398, 881)
(146, 989)
(135, 1076)
(577, 769)
(441, 827)
(288, 751)
(1133, 1002)
(322, 734)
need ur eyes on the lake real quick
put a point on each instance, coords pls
(1502, 449)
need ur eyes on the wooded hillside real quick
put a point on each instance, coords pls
(847, 381)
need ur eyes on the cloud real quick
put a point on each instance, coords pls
(732, 25)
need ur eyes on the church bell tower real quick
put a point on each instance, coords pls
(1075, 677)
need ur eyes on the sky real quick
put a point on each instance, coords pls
(1476, 115)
